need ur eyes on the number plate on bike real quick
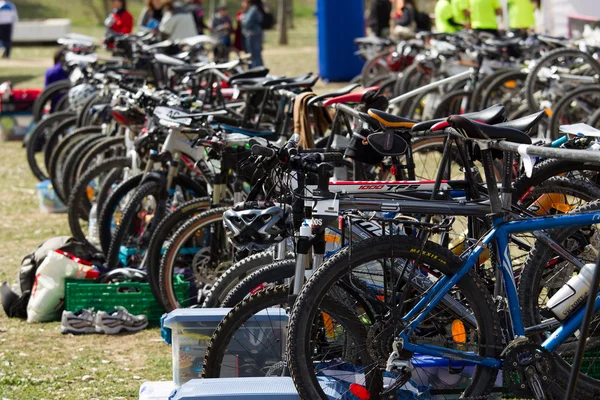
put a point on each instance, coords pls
(329, 208)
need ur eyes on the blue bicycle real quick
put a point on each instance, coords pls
(404, 341)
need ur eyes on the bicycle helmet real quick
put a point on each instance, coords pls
(257, 225)
(79, 95)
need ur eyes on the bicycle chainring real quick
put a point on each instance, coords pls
(529, 370)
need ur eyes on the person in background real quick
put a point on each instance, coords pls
(221, 30)
(120, 21)
(379, 18)
(460, 10)
(405, 19)
(56, 73)
(238, 36)
(196, 7)
(8, 18)
(252, 30)
(482, 15)
(444, 18)
(521, 15)
(176, 23)
(151, 16)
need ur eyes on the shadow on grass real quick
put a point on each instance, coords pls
(16, 79)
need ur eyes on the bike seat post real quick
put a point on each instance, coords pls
(507, 176)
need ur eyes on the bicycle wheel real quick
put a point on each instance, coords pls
(198, 253)
(41, 105)
(111, 210)
(109, 147)
(85, 193)
(375, 68)
(543, 92)
(146, 207)
(59, 155)
(452, 104)
(505, 89)
(162, 234)
(575, 107)
(363, 268)
(68, 177)
(62, 130)
(36, 141)
(250, 340)
(269, 275)
(234, 275)
(544, 274)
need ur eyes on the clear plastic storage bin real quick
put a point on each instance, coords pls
(191, 330)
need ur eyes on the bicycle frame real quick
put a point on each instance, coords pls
(500, 235)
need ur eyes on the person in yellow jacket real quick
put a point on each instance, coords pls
(482, 15)
(444, 18)
(521, 14)
(460, 10)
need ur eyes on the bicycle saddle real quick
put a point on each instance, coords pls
(373, 40)
(168, 60)
(287, 81)
(354, 97)
(524, 124)
(476, 131)
(309, 81)
(184, 69)
(390, 120)
(492, 115)
(335, 93)
(259, 72)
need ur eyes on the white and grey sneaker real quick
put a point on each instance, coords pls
(119, 320)
(81, 321)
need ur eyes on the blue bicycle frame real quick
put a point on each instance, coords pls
(500, 234)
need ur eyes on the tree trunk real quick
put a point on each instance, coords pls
(290, 9)
(282, 22)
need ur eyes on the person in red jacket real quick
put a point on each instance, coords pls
(120, 21)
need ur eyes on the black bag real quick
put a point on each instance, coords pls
(423, 21)
(268, 21)
(15, 304)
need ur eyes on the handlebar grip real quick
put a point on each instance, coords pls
(332, 157)
(258, 150)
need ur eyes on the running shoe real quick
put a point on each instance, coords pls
(81, 321)
(119, 320)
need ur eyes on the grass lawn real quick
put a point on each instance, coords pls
(36, 361)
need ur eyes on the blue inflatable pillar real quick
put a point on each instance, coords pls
(339, 23)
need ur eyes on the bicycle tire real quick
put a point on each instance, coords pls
(68, 179)
(243, 313)
(556, 120)
(110, 205)
(78, 198)
(498, 81)
(151, 188)
(529, 289)
(166, 284)
(326, 276)
(531, 80)
(236, 274)
(448, 106)
(60, 132)
(37, 138)
(272, 274)
(162, 234)
(365, 78)
(60, 153)
(109, 147)
(49, 92)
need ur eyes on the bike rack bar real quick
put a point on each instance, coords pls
(430, 86)
(548, 152)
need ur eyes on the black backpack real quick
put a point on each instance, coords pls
(268, 21)
(15, 304)
(423, 21)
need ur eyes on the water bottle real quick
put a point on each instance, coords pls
(93, 226)
(573, 293)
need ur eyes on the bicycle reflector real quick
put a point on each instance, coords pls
(359, 391)
(459, 333)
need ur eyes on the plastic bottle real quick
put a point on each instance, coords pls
(572, 294)
(93, 226)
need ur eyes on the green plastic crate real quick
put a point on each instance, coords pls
(136, 297)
